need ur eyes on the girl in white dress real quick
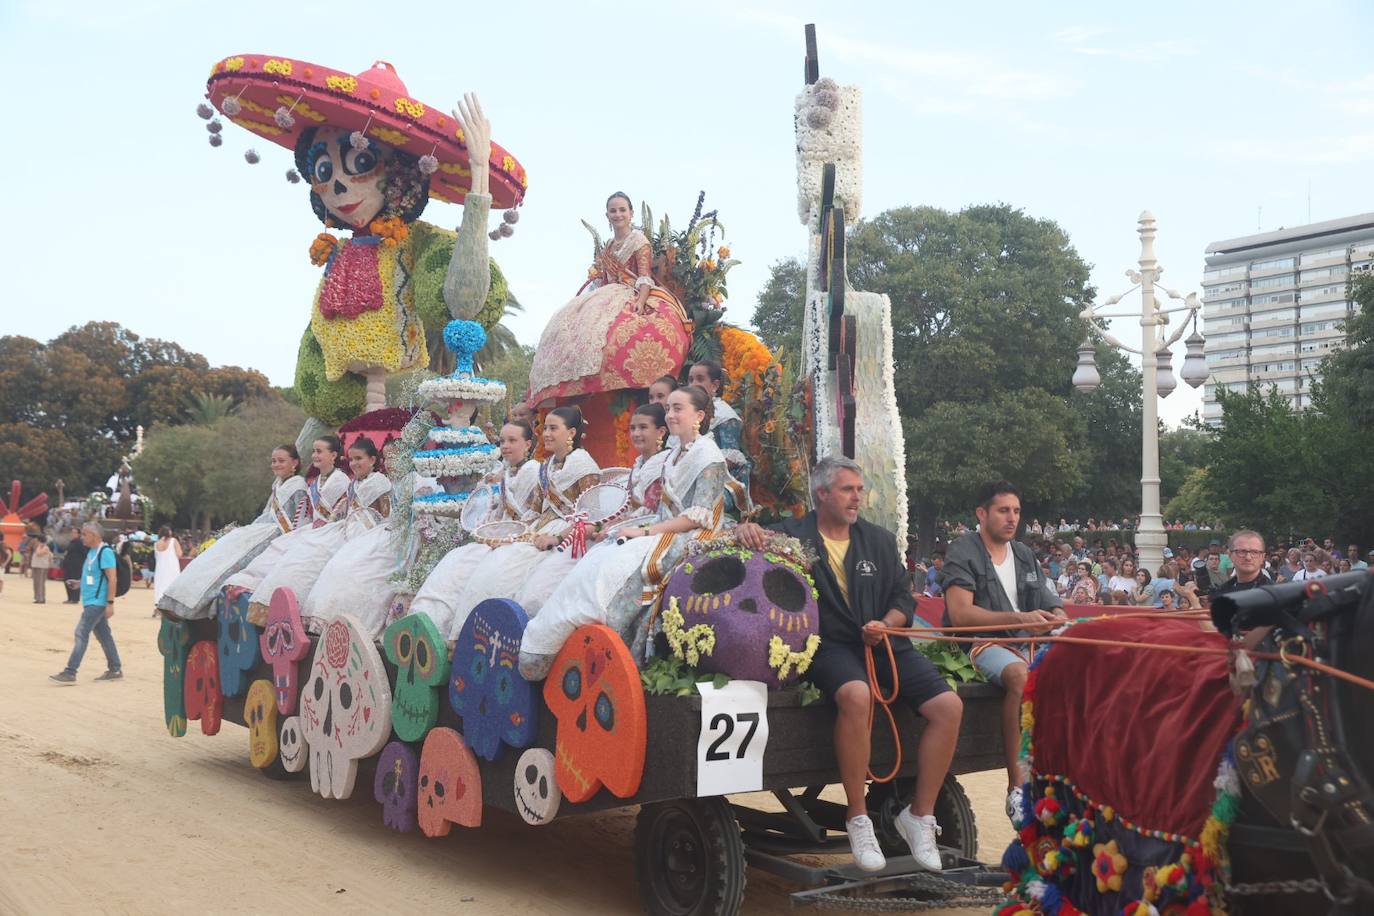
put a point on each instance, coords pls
(366, 503)
(518, 480)
(193, 593)
(563, 477)
(614, 585)
(166, 562)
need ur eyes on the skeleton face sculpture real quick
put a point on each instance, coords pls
(350, 182)
(284, 644)
(345, 707)
(749, 601)
(292, 750)
(260, 709)
(238, 641)
(174, 641)
(594, 691)
(203, 698)
(450, 784)
(537, 796)
(396, 784)
(416, 648)
(496, 703)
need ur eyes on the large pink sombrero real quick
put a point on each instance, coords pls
(375, 101)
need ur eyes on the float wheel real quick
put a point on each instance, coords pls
(689, 858)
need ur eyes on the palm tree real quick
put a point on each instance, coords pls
(208, 409)
(500, 339)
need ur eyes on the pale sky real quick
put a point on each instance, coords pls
(1218, 117)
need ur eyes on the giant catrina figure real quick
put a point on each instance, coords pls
(372, 157)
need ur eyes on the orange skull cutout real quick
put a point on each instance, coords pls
(450, 785)
(204, 701)
(595, 694)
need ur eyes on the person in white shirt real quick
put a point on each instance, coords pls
(1311, 569)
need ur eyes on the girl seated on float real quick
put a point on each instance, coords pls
(648, 434)
(614, 585)
(191, 595)
(325, 499)
(367, 503)
(661, 388)
(518, 482)
(563, 477)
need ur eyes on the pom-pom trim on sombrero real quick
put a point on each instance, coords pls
(251, 88)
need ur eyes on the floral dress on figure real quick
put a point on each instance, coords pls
(366, 504)
(192, 595)
(613, 585)
(506, 570)
(439, 596)
(598, 342)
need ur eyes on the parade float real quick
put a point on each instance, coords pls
(442, 725)
(16, 520)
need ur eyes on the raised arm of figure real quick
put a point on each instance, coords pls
(469, 272)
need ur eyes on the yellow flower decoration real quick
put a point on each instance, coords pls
(270, 130)
(233, 64)
(1108, 867)
(279, 67)
(410, 107)
(508, 163)
(454, 168)
(387, 135)
(255, 107)
(347, 84)
(781, 658)
(302, 109)
(688, 644)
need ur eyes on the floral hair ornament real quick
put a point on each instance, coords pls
(253, 90)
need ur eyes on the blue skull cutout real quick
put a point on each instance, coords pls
(238, 642)
(496, 704)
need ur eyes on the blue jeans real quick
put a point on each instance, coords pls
(93, 618)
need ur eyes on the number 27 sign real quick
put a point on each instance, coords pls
(734, 733)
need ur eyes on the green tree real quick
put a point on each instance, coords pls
(1109, 444)
(238, 475)
(1182, 451)
(172, 470)
(208, 409)
(1194, 499)
(985, 306)
(781, 304)
(513, 368)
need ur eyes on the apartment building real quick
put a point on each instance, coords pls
(1275, 304)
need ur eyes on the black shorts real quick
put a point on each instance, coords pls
(836, 664)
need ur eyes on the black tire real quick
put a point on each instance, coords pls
(953, 813)
(689, 858)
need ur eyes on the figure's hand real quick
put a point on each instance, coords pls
(872, 632)
(752, 536)
(477, 138)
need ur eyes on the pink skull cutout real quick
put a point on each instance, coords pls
(284, 644)
(450, 787)
(345, 706)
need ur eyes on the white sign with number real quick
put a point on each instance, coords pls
(734, 733)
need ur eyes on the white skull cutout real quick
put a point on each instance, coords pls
(345, 706)
(292, 750)
(537, 795)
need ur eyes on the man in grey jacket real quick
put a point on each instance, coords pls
(992, 579)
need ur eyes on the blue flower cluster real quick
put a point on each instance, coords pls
(443, 498)
(464, 338)
(463, 450)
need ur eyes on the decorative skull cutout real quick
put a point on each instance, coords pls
(593, 690)
(420, 655)
(450, 787)
(203, 698)
(292, 749)
(260, 711)
(496, 703)
(345, 706)
(238, 641)
(536, 789)
(174, 642)
(396, 785)
(284, 644)
(760, 606)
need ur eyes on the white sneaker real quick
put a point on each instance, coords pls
(868, 855)
(920, 833)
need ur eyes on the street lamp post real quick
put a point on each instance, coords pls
(1156, 374)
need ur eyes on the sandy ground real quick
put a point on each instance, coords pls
(102, 812)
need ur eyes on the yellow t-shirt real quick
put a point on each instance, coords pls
(835, 552)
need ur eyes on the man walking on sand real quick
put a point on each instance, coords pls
(97, 607)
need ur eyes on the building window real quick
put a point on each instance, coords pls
(1269, 282)
(1309, 256)
(1222, 273)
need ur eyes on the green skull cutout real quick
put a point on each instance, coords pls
(174, 642)
(414, 646)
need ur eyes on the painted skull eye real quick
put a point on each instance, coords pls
(572, 683)
(345, 695)
(323, 170)
(504, 687)
(359, 161)
(404, 647)
(531, 774)
(784, 589)
(424, 780)
(438, 789)
(319, 688)
(423, 657)
(605, 712)
(719, 576)
(479, 668)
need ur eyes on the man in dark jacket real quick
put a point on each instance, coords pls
(992, 579)
(72, 561)
(863, 586)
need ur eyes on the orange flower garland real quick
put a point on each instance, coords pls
(322, 249)
(392, 230)
(741, 352)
